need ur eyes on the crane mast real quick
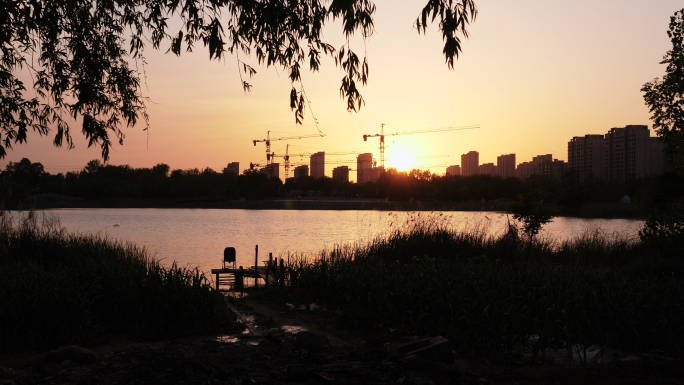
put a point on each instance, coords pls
(286, 158)
(382, 143)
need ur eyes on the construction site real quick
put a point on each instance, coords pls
(364, 166)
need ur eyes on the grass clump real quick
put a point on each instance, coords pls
(58, 288)
(497, 296)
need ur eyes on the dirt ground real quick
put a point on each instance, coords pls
(288, 345)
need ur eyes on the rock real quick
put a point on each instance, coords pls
(610, 355)
(67, 363)
(71, 353)
(411, 346)
(433, 349)
(320, 378)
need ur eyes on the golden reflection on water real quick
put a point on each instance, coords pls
(197, 237)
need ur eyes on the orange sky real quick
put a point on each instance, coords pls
(533, 74)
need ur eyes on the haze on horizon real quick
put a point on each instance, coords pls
(533, 74)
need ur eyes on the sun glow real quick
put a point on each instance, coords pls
(402, 161)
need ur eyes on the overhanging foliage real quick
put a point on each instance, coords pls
(85, 58)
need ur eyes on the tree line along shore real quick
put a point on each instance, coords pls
(26, 185)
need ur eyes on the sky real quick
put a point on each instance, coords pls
(532, 74)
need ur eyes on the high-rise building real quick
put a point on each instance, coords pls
(364, 168)
(487, 169)
(470, 163)
(524, 170)
(558, 168)
(505, 166)
(629, 152)
(541, 164)
(317, 162)
(301, 171)
(341, 174)
(585, 157)
(272, 170)
(232, 167)
(453, 170)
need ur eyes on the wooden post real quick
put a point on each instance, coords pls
(269, 268)
(256, 263)
(239, 280)
(282, 273)
(217, 281)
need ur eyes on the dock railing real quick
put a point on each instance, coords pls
(272, 272)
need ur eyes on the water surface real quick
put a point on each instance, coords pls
(197, 237)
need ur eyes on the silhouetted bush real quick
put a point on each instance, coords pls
(61, 288)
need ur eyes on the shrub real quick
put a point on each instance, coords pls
(59, 288)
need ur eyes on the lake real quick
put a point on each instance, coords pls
(197, 237)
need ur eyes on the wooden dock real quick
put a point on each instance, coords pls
(270, 273)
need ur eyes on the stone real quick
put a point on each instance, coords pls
(67, 363)
(71, 353)
(434, 349)
(411, 346)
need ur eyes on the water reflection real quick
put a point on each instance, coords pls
(197, 237)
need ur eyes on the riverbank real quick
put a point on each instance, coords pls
(588, 210)
(502, 306)
(289, 347)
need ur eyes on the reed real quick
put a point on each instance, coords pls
(498, 296)
(58, 288)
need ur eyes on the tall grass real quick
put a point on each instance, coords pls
(57, 288)
(494, 296)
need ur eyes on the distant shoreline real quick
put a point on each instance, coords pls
(588, 210)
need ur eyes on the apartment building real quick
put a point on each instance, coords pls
(470, 163)
(524, 170)
(272, 170)
(585, 157)
(301, 171)
(364, 168)
(317, 163)
(505, 166)
(453, 170)
(341, 174)
(232, 167)
(630, 152)
(487, 169)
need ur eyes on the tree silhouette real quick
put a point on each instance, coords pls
(665, 97)
(664, 225)
(532, 212)
(85, 57)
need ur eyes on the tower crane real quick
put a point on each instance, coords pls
(382, 136)
(269, 139)
(287, 156)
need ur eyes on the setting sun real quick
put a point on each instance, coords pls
(402, 161)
